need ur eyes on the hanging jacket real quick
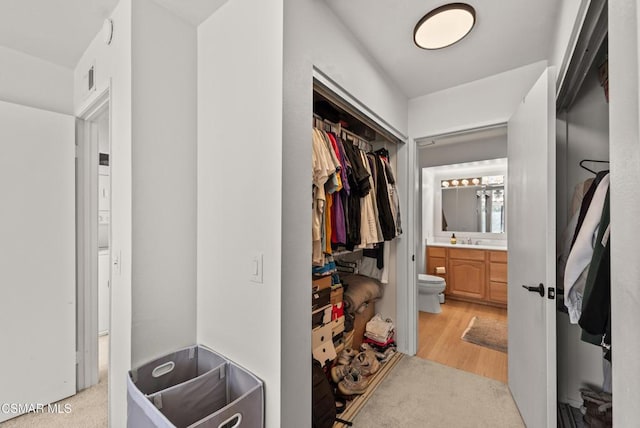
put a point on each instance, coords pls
(582, 251)
(595, 319)
(387, 224)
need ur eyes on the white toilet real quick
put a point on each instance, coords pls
(429, 289)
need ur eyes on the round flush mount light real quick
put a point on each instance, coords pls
(444, 26)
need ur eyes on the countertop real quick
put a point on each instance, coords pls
(482, 246)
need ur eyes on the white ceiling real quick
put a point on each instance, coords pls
(507, 35)
(59, 31)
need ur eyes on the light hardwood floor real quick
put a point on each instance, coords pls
(439, 340)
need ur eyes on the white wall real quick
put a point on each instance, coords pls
(484, 102)
(164, 182)
(338, 54)
(37, 256)
(240, 191)
(33, 82)
(480, 149)
(624, 45)
(113, 69)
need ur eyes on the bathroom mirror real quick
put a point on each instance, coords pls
(473, 204)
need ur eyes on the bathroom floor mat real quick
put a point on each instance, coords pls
(487, 332)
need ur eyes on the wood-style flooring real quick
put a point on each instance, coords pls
(439, 339)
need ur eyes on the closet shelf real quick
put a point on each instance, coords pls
(344, 252)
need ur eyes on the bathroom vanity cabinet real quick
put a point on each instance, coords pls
(476, 275)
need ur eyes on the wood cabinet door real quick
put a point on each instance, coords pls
(467, 278)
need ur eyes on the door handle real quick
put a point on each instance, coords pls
(539, 289)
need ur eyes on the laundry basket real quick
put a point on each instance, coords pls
(194, 387)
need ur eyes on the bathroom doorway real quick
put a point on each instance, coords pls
(463, 195)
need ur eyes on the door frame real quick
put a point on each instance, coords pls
(415, 243)
(87, 240)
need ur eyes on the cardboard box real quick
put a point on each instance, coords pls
(321, 283)
(337, 295)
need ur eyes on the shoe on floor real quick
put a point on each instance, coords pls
(366, 363)
(346, 355)
(339, 371)
(353, 384)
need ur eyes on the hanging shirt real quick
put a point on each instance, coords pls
(582, 251)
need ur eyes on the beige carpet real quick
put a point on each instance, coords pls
(88, 407)
(487, 332)
(420, 393)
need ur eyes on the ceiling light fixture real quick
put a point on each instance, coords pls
(444, 26)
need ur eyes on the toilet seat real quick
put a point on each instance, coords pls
(430, 279)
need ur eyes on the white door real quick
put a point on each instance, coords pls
(37, 258)
(531, 241)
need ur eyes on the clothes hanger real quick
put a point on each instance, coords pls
(591, 160)
(383, 152)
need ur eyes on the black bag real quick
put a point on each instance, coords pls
(323, 402)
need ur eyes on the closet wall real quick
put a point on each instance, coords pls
(582, 133)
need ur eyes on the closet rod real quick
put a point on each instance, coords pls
(591, 160)
(358, 140)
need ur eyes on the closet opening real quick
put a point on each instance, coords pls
(584, 347)
(354, 268)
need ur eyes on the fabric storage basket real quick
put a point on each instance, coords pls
(175, 368)
(217, 394)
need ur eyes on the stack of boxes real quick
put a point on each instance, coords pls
(327, 320)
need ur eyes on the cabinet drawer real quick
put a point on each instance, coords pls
(498, 292)
(498, 256)
(436, 251)
(498, 272)
(464, 254)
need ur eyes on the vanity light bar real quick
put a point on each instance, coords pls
(462, 181)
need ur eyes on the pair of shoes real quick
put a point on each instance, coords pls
(366, 363)
(353, 383)
(345, 357)
(386, 355)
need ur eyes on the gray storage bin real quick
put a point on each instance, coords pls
(226, 396)
(175, 368)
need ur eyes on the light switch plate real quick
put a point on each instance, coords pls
(255, 268)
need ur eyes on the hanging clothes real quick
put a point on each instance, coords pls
(355, 202)
(582, 252)
(394, 200)
(387, 224)
(595, 319)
